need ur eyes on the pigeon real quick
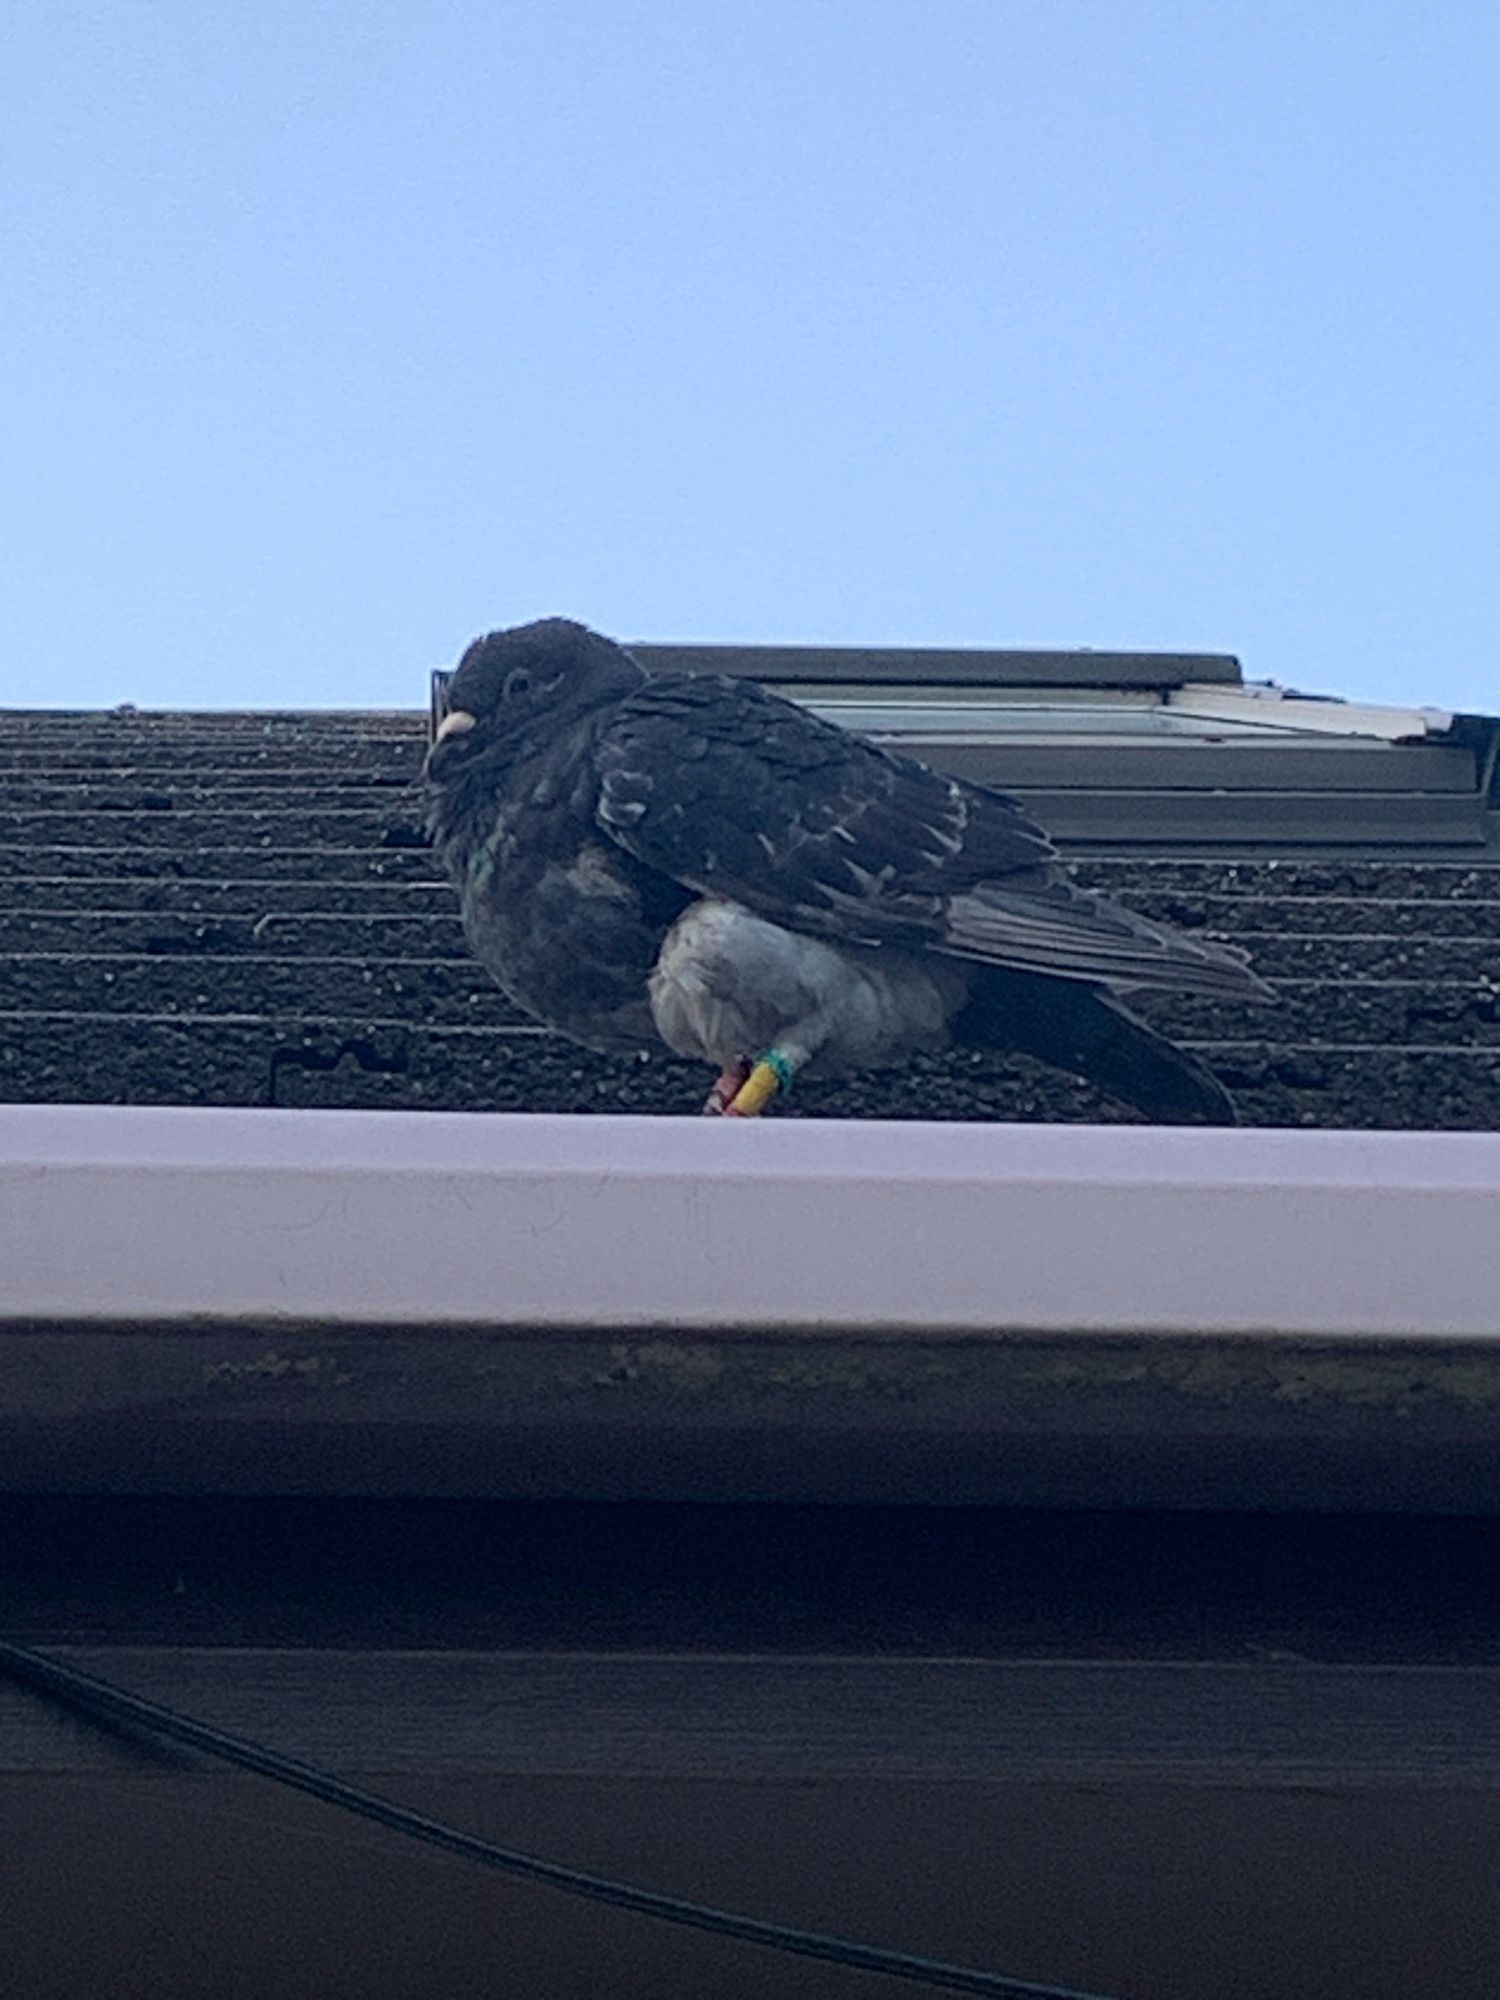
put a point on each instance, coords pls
(694, 863)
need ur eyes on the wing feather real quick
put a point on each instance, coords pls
(734, 791)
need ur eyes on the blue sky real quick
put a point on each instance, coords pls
(333, 333)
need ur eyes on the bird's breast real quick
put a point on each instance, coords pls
(565, 932)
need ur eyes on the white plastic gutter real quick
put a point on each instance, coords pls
(473, 1221)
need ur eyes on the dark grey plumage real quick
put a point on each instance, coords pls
(695, 859)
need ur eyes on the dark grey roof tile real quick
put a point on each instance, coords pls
(260, 933)
(241, 910)
(193, 896)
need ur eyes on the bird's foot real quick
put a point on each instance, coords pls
(774, 1072)
(730, 1082)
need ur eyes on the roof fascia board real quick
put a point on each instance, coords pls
(128, 1215)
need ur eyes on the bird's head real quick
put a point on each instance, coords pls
(514, 689)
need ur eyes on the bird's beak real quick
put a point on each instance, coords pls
(454, 726)
(457, 722)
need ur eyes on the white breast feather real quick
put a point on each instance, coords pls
(727, 984)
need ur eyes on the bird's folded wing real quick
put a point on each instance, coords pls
(736, 792)
(1073, 936)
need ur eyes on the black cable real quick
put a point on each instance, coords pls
(102, 1699)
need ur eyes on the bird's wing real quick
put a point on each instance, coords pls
(738, 793)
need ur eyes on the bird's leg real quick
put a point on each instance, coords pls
(775, 1071)
(731, 1081)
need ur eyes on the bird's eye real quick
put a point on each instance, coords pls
(518, 681)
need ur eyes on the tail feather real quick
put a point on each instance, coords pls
(1089, 1032)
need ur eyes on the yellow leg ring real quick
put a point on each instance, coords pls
(756, 1092)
